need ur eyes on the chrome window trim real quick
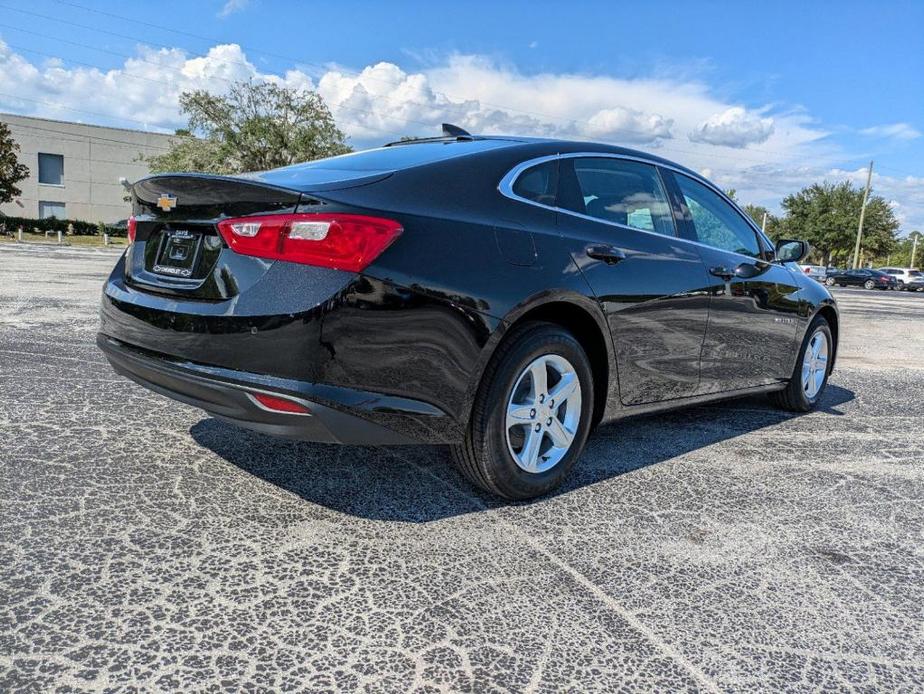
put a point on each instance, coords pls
(505, 188)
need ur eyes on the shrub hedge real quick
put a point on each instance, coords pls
(52, 224)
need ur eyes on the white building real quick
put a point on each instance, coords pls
(74, 169)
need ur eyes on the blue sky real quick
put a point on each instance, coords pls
(763, 97)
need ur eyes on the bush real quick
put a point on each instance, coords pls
(52, 224)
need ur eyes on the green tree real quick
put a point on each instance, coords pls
(901, 254)
(827, 214)
(774, 226)
(254, 127)
(11, 170)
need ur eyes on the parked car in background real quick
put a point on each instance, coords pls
(916, 283)
(816, 272)
(871, 279)
(902, 275)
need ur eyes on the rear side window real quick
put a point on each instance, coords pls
(623, 192)
(539, 183)
(716, 223)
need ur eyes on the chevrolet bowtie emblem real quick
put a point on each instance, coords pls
(166, 202)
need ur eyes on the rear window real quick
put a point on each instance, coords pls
(403, 156)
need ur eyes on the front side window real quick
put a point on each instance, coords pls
(538, 183)
(51, 169)
(715, 222)
(51, 209)
(623, 192)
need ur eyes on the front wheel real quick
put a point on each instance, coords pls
(532, 414)
(810, 375)
(869, 284)
(829, 282)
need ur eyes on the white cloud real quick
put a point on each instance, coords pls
(733, 127)
(382, 102)
(898, 131)
(629, 125)
(232, 6)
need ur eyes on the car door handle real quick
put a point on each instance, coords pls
(722, 271)
(607, 253)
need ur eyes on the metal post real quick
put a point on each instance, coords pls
(914, 248)
(763, 224)
(20, 234)
(59, 237)
(105, 239)
(856, 248)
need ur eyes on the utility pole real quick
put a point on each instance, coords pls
(856, 248)
(763, 224)
(914, 246)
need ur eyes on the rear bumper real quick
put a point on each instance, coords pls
(338, 415)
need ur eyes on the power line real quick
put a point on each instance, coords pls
(441, 107)
(72, 137)
(180, 72)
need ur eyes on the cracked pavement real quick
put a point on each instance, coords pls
(729, 547)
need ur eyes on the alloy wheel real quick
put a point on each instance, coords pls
(815, 364)
(543, 413)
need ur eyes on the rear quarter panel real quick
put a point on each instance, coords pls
(468, 263)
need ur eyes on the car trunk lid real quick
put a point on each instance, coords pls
(178, 249)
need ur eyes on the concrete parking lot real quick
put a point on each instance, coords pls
(730, 547)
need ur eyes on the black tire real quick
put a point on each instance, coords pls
(829, 282)
(869, 284)
(793, 398)
(484, 458)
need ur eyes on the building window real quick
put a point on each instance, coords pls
(51, 209)
(51, 169)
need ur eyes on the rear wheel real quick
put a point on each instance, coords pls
(531, 416)
(830, 281)
(869, 284)
(810, 376)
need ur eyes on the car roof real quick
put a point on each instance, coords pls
(406, 154)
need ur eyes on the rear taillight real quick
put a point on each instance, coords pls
(132, 228)
(339, 241)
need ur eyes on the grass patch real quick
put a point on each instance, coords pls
(52, 240)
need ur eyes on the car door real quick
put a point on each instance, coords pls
(754, 304)
(649, 282)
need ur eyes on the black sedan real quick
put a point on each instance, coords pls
(871, 279)
(502, 295)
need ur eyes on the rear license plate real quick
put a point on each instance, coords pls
(178, 253)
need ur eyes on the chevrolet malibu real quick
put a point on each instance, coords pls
(501, 295)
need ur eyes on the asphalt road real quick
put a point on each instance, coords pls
(730, 547)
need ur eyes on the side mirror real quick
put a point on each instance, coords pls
(789, 251)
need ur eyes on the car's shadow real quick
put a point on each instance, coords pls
(419, 483)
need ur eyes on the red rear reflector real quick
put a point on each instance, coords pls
(279, 404)
(339, 241)
(132, 228)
